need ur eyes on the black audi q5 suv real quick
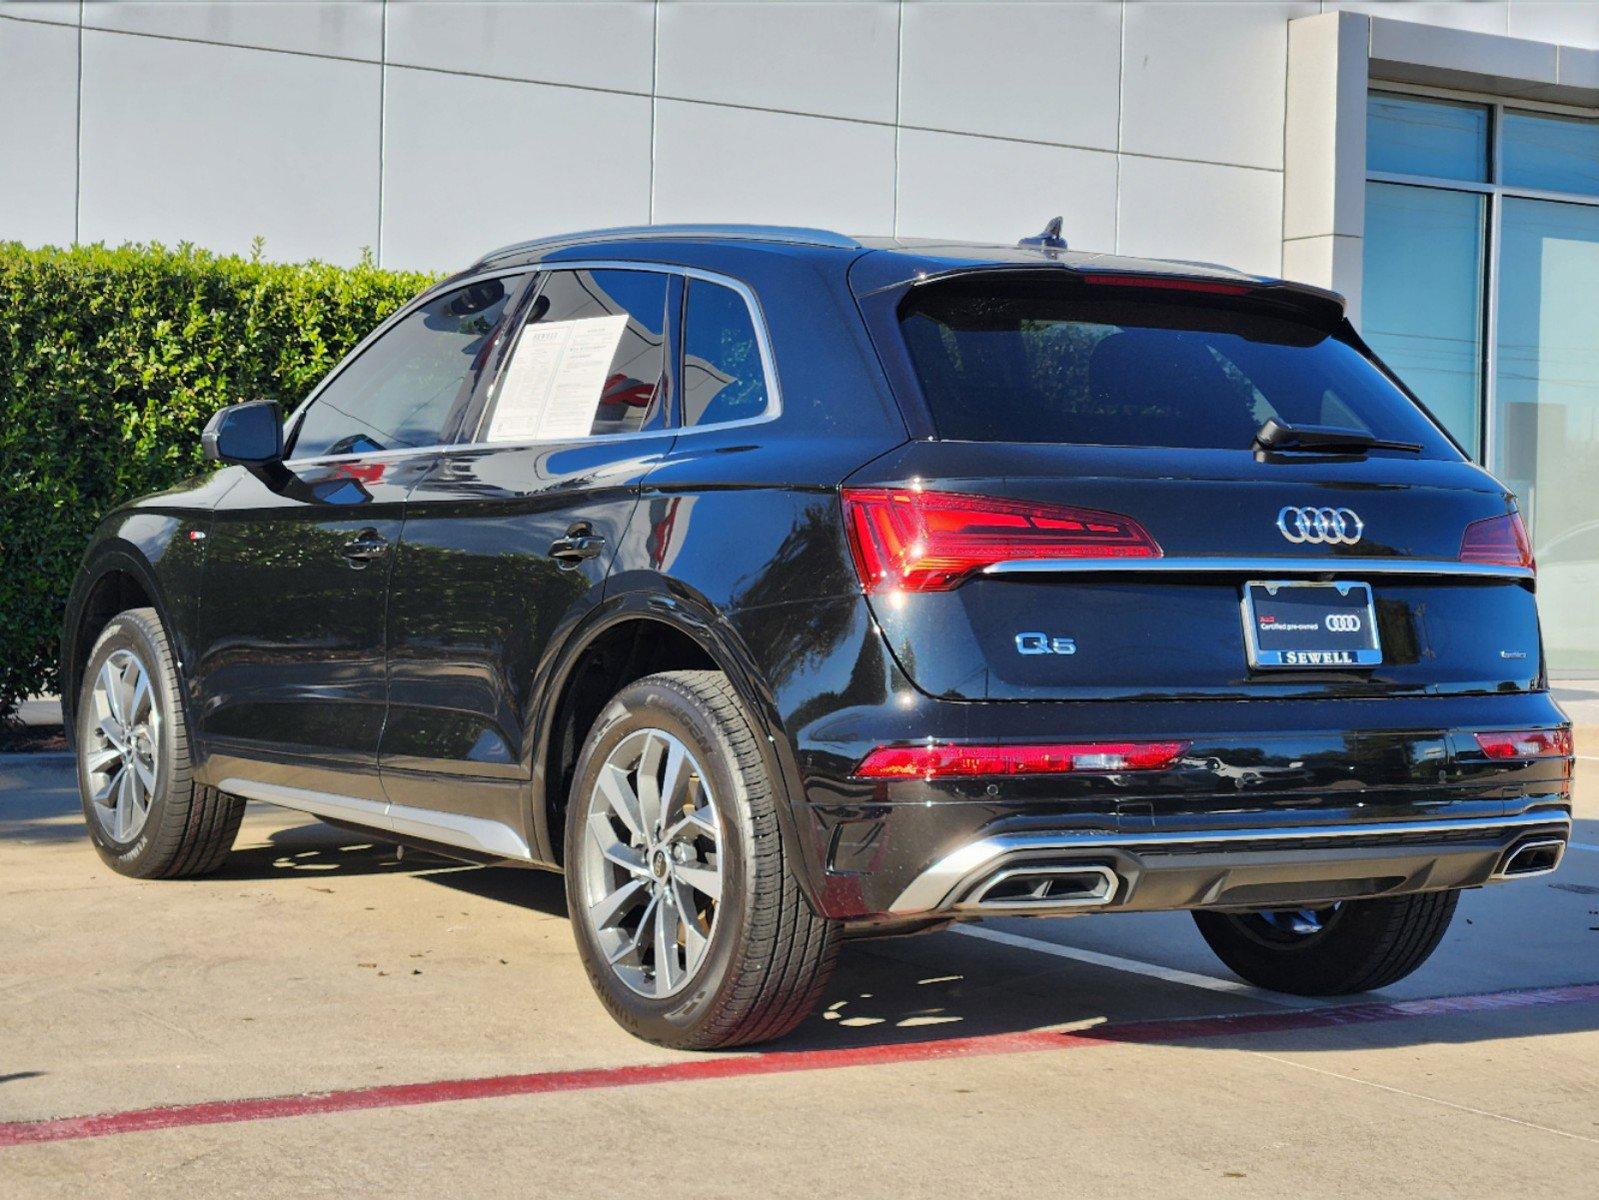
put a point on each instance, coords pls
(781, 588)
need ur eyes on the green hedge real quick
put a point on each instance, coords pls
(111, 361)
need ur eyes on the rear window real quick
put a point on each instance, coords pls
(1021, 361)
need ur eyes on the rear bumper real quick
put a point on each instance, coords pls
(1273, 805)
(1288, 866)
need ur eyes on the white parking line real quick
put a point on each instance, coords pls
(1117, 963)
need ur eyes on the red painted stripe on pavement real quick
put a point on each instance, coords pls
(775, 1062)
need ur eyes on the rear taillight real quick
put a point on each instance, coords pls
(947, 761)
(918, 541)
(1501, 541)
(1526, 743)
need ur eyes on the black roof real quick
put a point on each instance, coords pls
(896, 260)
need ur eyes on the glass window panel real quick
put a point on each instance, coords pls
(405, 388)
(1421, 298)
(1557, 154)
(1546, 437)
(589, 360)
(723, 379)
(1030, 360)
(1411, 136)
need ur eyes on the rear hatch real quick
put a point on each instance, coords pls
(1115, 531)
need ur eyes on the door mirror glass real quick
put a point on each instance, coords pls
(250, 434)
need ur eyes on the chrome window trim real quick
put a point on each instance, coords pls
(1269, 568)
(752, 304)
(291, 423)
(774, 403)
(929, 890)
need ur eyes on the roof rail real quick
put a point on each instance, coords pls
(791, 234)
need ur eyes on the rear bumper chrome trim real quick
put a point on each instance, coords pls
(1263, 568)
(930, 891)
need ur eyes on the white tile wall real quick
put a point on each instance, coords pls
(1230, 215)
(1155, 128)
(346, 30)
(838, 60)
(1570, 22)
(189, 142)
(58, 11)
(1330, 260)
(471, 164)
(590, 43)
(714, 163)
(1046, 72)
(1461, 14)
(953, 185)
(1222, 103)
(38, 132)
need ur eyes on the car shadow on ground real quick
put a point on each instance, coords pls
(903, 991)
(898, 991)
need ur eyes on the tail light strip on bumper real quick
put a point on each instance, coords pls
(1273, 568)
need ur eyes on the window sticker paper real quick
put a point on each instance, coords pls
(555, 380)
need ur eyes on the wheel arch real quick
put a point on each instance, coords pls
(116, 577)
(662, 626)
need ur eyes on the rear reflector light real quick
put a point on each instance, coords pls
(1501, 541)
(918, 541)
(1054, 758)
(1169, 284)
(1526, 743)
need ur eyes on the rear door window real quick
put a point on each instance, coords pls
(724, 377)
(589, 360)
(1023, 361)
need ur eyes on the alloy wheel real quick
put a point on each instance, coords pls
(121, 747)
(651, 877)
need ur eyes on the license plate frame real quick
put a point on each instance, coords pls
(1285, 648)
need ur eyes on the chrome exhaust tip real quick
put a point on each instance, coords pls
(1043, 889)
(1531, 858)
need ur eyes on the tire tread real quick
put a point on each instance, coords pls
(197, 824)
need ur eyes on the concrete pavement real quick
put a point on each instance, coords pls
(317, 962)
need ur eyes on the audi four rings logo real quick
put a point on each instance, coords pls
(1343, 622)
(1324, 526)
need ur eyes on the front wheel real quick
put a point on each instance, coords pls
(1354, 946)
(146, 815)
(686, 913)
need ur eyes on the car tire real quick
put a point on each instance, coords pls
(1352, 947)
(147, 816)
(676, 756)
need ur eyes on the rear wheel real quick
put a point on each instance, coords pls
(688, 919)
(1354, 946)
(146, 815)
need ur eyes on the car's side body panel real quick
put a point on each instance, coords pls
(289, 669)
(476, 600)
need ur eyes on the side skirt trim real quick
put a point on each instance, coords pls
(449, 829)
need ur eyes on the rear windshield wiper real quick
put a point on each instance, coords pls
(1280, 436)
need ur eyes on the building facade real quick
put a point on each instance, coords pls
(1436, 162)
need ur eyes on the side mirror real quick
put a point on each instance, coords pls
(250, 434)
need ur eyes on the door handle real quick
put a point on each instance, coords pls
(364, 547)
(578, 544)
